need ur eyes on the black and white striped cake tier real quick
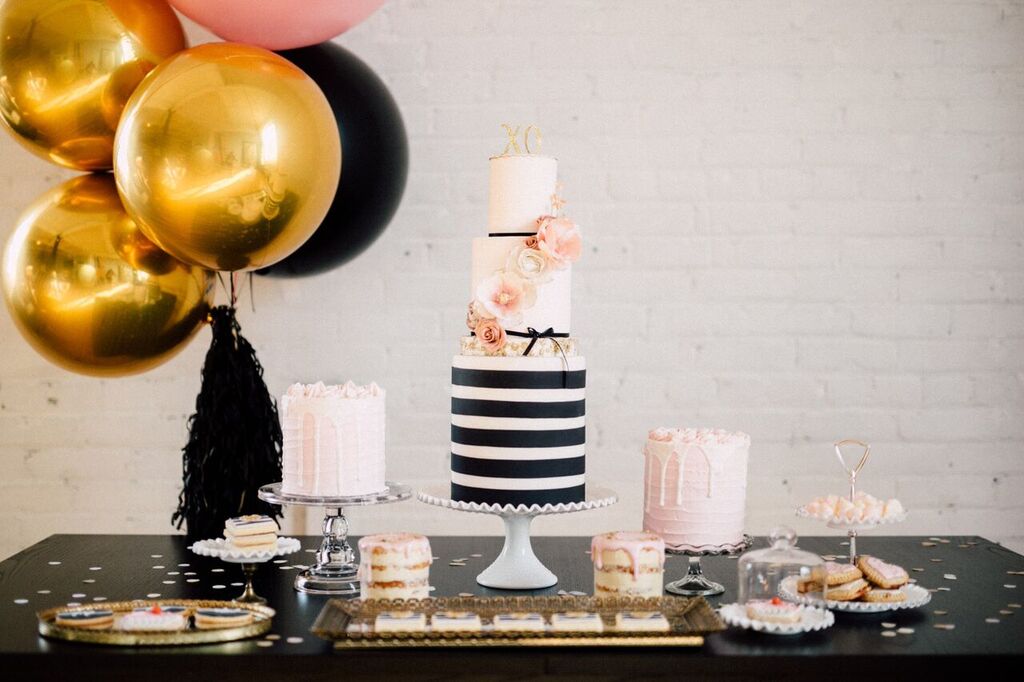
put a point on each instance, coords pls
(518, 430)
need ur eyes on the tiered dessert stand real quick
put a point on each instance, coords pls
(851, 473)
(695, 583)
(517, 567)
(335, 569)
(250, 561)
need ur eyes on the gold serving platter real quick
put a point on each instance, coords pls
(349, 624)
(262, 616)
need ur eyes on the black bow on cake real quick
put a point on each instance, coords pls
(548, 333)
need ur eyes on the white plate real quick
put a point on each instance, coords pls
(220, 548)
(811, 619)
(839, 524)
(917, 597)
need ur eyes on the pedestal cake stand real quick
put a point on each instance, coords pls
(250, 561)
(695, 583)
(335, 569)
(517, 567)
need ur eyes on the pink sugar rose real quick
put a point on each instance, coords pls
(491, 335)
(530, 242)
(504, 295)
(474, 314)
(559, 240)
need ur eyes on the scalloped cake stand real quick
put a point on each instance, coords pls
(517, 567)
(250, 561)
(335, 569)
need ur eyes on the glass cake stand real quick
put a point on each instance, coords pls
(517, 567)
(695, 583)
(335, 569)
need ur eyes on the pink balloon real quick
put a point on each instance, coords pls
(277, 24)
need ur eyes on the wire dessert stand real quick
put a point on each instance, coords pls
(695, 583)
(249, 560)
(517, 567)
(335, 571)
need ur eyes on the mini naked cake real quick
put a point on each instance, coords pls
(695, 486)
(394, 566)
(333, 440)
(627, 564)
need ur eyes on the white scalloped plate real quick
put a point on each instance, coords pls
(917, 597)
(596, 498)
(838, 524)
(219, 547)
(811, 620)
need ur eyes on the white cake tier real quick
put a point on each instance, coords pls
(333, 440)
(695, 486)
(521, 188)
(552, 306)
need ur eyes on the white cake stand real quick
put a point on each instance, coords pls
(223, 550)
(517, 567)
(335, 570)
(695, 583)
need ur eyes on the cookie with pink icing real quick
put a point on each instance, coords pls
(773, 611)
(882, 574)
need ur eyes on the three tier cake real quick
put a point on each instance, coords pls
(518, 383)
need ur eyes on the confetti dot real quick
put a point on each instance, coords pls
(944, 626)
(936, 561)
(888, 633)
(934, 539)
(1010, 587)
(153, 595)
(21, 601)
(264, 644)
(476, 556)
(917, 570)
(190, 572)
(314, 551)
(991, 620)
(156, 556)
(943, 589)
(184, 565)
(928, 544)
(95, 568)
(159, 568)
(216, 570)
(99, 599)
(1014, 606)
(192, 580)
(294, 640)
(577, 593)
(237, 584)
(272, 637)
(78, 595)
(431, 588)
(53, 563)
(88, 581)
(173, 573)
(845, 544)
(42, 592)
(940, 613)
(219, 587)
(944, 541)
(888, 626)
(1005, 612)
(280, 561)
(168, 582)
(949, 576)
(906, 631)
(74, 603)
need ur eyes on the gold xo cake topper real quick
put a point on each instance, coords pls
(512, 143)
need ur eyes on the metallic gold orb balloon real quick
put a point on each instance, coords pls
(228, 157)
(67, 68)
(90, 292)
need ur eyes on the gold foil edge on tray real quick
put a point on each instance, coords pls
(263, 616)
(689, 620)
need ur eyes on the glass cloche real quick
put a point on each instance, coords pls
(762, 571)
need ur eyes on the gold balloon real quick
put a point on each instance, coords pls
(67, 68)
(228, 157)
(90, 292)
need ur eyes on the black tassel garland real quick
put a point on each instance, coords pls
(234, 443)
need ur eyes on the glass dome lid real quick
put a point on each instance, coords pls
(763, 571)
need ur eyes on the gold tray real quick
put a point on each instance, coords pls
(261, 624)
(689, 620)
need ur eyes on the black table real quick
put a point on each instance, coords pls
(82, 568)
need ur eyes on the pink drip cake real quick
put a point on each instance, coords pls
(695, 486)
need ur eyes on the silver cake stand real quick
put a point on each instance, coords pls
(335, 569)
(695, 583)
(517, 567)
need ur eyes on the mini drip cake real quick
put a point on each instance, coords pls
(627, 564)
(394, 566)
(695, 486)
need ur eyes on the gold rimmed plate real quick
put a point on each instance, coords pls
(262, 619)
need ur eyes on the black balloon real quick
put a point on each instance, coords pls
(374, 160)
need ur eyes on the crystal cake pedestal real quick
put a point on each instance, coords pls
(335, 569)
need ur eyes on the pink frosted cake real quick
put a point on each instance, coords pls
(695, 486)
(333, 440)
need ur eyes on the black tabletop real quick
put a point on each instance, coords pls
(977, 592)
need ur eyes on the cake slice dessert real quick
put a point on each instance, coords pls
(394, 566)
(251, 533)
(627, 564)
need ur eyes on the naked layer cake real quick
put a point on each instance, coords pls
(394, 566)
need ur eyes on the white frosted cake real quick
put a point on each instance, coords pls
(333, 440)
(518, 383)
(394, 566)
(695, 486)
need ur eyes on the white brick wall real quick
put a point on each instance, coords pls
(805, 219)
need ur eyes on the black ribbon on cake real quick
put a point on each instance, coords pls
(548, 333)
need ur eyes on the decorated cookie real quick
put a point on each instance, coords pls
(641, 621)
(882, 574)
(886, 596)
(209, 619)
(166, 608)
(153, 618)
(850, 591)
(400, 621)
(773, 610)
(519, 622)
(93, 619)
(576, 621)
(455, 621)
(835, 574)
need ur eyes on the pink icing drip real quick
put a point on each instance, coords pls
(631, 543)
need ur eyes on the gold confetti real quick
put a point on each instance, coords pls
(888, 633)
(949, 576)
(906, 631)
(466, 594)
(934, 539)
(928, 544)
(476, 556)
(944, 626)
(888, 626)
(936, 561)
(944, 541)
(1014, 605)
(943, 589)
(991, 620)
(917, 570)
(940, 613)
(1006, 612)
(963, 546)
(1010, 587)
